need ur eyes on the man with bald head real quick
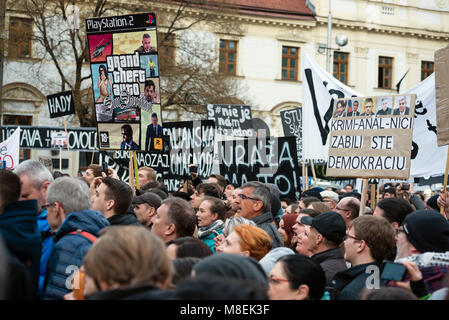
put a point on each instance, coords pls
(348, 208)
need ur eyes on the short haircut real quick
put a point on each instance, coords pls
(377, 233)
(10, 188)
(349, 185)
(217, 206)
(388, 293)
(129, 256)
(127, 129)
(308, 200)
(154, 114)
(368, 100)
(120, 192)
(71, 193)
(390, 191)
(220, 180)
(209, 189)
(182, 215)
(310, 212)
(146, 35)
(288, 201)
(96, 169)
(35, 171)
(353, 205)
(230, 223)
(150, 172)
(261, 192)
(253, 239)
(300, 269)
(183, 268)
(150, 83)
(320, 207)
(190, 247)
(395, 209)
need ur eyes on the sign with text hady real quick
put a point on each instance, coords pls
(269, 160)
(442, 95)
(371, 137)
(231, 120)
(61, 104)
(292, 125)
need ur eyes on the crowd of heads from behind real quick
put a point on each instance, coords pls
(213, 239)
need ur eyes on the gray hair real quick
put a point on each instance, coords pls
(261, 192)
(35, 171)
(71, 193)
(230, 223)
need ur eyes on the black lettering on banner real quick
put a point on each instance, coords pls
(431, 127)
(292, 126)
(231, 120)
(418, 107)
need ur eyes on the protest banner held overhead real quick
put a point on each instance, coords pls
(376, 141)
(61, 104)
(442, 94)
(269, 160)
(125, 81)
(231, 120)
(9, 150)
(292, 125)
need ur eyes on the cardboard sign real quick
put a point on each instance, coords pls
(375, 141)
(269, 160)
(61, 104)
(124, 65)
(442, 95)
(231, 120)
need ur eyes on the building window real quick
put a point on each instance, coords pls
(166, 50)
(19, 120)
(19, 42)
(426, 69)
(341, 60)
(289, 63)
(228, 57)
(385, 72)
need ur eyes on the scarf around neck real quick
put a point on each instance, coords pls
(214, 226)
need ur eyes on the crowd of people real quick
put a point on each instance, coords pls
(92, 238)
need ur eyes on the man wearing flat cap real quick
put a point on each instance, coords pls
(145, 207)
(325, 233)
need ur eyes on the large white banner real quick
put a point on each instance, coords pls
(9, 150)
(427, 158)
(319, 91)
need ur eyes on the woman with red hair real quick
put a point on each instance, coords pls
(247, 240)
(286, 229)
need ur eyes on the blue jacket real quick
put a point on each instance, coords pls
(69, 251)
(18, 227)
(47, 246)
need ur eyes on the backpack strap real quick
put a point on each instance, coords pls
(85, 234)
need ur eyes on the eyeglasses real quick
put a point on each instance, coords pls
(243, 197)
(275, 280)
(45, 206)
(399, 230)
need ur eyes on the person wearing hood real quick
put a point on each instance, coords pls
(75, 228)
(210, 216)
(22, 239)
(254, 203)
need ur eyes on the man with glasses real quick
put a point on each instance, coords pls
(75, 228)
(325, 233)
(348, 208)
(369, 241)
(330, 198)
(254, 203)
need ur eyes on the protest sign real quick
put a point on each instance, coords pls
(191, 142)
(374, 144)
(79, 139)
(231, 120)
(442, 95)
(9, 150)
(58, 139)
(61, 104)
(125, 80)
(266, 159)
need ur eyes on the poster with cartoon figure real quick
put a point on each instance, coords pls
(125, 79)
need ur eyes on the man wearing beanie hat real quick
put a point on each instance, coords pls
(145, 207)
(325, 234)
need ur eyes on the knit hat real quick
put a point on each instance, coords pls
(427, 231)
(330, 224)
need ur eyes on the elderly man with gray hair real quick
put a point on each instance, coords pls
(254, 203)
(75, 228)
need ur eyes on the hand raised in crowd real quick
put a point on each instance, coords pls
(443, 202)
(95, 184)
(414, 272)
(193, 174)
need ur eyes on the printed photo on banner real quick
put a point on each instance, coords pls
(401, 105)
(369, 107)
(340, 109)
(384, 106)
(152, 128)
(116, 136)
(125, 79)
(100, 46)
(353, 108)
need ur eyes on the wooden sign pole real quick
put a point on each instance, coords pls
(136, 170)
(445, 182)
(131, 172)
(312, 166)
(364, 194)
(60, 158)
(68, 148)
(373, 196)
(303, 176)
